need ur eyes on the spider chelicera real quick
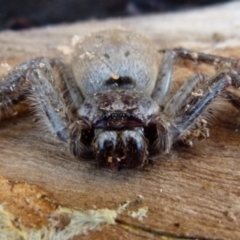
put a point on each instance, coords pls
(110, 102)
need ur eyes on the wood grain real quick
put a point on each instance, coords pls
(191, 193)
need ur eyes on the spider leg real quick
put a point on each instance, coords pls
(186, 121)
(13, 88)
(210, 59)
(72, 93)
(34, 82)
(165, 77)
(179, 102)
(163, 83)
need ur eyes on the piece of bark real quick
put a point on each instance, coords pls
(192, 193)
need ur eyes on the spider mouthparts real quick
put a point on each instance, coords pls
(127, 149)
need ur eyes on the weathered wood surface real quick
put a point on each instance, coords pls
(193, 192)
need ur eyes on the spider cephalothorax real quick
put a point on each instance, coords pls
(119, 125)
(110, 103)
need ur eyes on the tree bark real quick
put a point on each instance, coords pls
(191, 193)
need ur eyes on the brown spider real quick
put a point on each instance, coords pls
(111, 103)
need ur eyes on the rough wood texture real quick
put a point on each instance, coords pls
(192, 193)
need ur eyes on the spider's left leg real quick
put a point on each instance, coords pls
(187, 121)
(34, 83)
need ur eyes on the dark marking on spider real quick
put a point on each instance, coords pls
(110, 103)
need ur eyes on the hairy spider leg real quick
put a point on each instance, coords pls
(71, 92)
(164, 80)
(192, 98)
(13, 89)
(179, 102)
(33, 81)
(184, 119)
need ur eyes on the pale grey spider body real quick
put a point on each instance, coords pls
(108, 102)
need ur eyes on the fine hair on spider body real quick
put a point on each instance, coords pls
(110, 102)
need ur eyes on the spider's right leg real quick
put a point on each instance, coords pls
(222, 64)
(180, 101)
(190, 122)
(189, 94)
(165, 78)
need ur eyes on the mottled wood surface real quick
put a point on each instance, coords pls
(192, 193)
